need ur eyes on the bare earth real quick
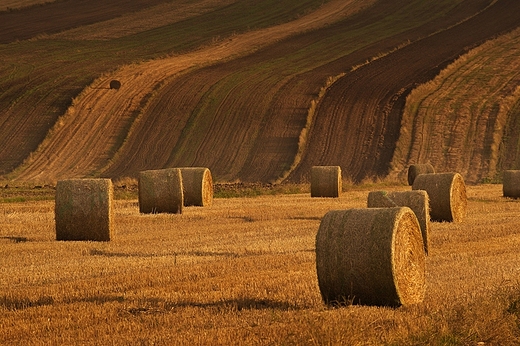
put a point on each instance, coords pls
(84, 138)
(256, 133)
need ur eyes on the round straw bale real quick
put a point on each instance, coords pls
(511, 183)
(371, 256)
(115, 84)
(83, 209)
(415, 170)
(447, 193)
(325, 181)
(160, 191)
(416, 200)
(198, 186)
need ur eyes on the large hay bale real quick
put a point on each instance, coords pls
(511, 183)
(415, 170)
(325, 181)
(416, 200)
(198, 186)
(371, 256)
(447, 193)
(83, 209)
(160, 191)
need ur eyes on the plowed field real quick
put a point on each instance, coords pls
(241, 106)
(62, 15)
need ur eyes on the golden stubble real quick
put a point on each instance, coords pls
(243, 271)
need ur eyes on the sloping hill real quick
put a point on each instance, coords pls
(466, 119)
(357, 122)
(326, 89)
(40, 77)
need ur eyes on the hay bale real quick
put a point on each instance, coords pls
(83, 209)
(371, 256)
(416, 200)
(198, 186)
(415, 170)
(160, 191)
(447, 193)
(511, 184)
(115, 84)
(325, 181)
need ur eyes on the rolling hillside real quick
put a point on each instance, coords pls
(260, 97)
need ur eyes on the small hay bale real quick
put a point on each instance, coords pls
(115, 84)
(447, 193)
(198, 186)
(511, 184)
(325, 181)
(83, 209)
(160, 191)
(415, 170)
(371, 256)
(416, 200)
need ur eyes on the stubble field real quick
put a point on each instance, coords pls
(242, 271)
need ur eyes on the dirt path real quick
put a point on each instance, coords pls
(93, 128)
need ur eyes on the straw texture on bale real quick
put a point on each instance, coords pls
(447, 193)
(415, 170)
(325, 181)
(371, 256)
(198, 186)
(161, 191)
(511, 183)
(416, 200)
(83, 209)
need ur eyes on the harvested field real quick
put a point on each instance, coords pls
(35, 95)
(244, 271)
(258, 106)
(466, 119)
(146, 19)
(372, 97)
(270, 131)
(9, 5)
(56, 16)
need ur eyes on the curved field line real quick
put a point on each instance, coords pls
(146, 19)
(213, 133)
(363, 108)
(56, 16)
(476, 94)
(87, 134)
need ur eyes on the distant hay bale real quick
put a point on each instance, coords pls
(511, 183)
(416, 200)
(115, 84)
(160, 191)
(415, 170)
(325, 181)
(371, 256)
(447, 193)
(198, 186)
(83, 209)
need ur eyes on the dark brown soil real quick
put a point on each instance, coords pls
(58, 16)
